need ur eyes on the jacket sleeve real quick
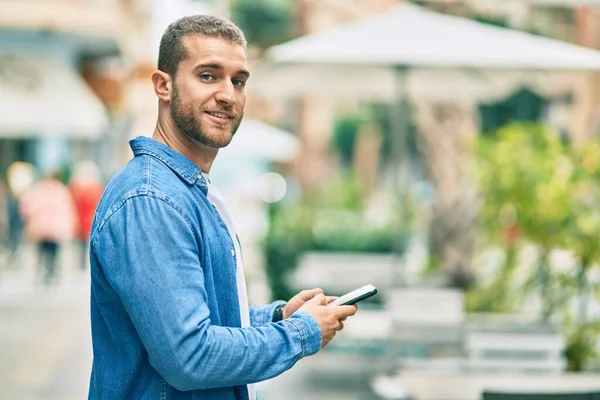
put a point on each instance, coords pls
(260, 315)
(150, 255)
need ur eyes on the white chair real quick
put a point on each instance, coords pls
(515, 352)
(428, 314)
(427, 328)
(340, 273)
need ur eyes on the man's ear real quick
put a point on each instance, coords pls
(163, 84)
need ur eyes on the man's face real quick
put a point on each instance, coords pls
(208, 91)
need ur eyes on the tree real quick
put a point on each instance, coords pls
(536, 187)
(265, 22)
(446, 135)
(524, 182)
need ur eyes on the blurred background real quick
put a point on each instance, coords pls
(445, 151)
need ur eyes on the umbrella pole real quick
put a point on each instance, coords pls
(400, 125)
(400, 158)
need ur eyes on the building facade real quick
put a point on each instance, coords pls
(64, 73)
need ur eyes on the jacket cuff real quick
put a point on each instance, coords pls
(309, 331)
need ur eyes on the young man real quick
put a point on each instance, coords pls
(170, 316)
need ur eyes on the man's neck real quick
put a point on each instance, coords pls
(201, 155)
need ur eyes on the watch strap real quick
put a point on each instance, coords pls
(278, 313)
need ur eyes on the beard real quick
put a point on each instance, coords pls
(209, 134)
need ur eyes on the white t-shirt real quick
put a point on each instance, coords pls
(215, 197)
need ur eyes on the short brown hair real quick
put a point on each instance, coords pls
(172, 50)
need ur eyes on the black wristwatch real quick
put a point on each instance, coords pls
(278, 313)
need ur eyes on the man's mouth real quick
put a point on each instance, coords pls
(220, 115)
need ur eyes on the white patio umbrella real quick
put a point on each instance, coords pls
(449, 57)
(252, 153)
(410, 53)
(410, 35)
(258, 140)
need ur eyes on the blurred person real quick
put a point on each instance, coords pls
(4, 213)
(19, 177)
(86, 188)
(169, 309)
(49, 214)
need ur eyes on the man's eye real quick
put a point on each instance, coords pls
(207, 77)
(238, 82)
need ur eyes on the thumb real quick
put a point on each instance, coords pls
(319, 300)
(346, 311)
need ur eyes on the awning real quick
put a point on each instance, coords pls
(41, 95)
(97, 18)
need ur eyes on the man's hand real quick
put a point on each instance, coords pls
(330, 319)
(298, 301)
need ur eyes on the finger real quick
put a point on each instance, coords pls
(330, 298)
(319, 299)
(310, 293)
(343, 319)
(340, 326)
(345, 311)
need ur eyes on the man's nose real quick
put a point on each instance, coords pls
(226, 94)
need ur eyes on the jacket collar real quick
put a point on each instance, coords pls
(180, 164)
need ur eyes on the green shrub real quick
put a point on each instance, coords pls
(300, 228)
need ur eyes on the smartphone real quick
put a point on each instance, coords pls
(355, 296)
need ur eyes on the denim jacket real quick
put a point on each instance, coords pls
(164, 306)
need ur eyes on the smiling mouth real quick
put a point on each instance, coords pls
(219, 115)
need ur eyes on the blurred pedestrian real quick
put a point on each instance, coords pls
(170, 314)
(86, 188)
(49, 214)
(4, 241)
(19, 177)
(14, 223)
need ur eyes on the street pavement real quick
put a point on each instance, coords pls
(45, 346)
